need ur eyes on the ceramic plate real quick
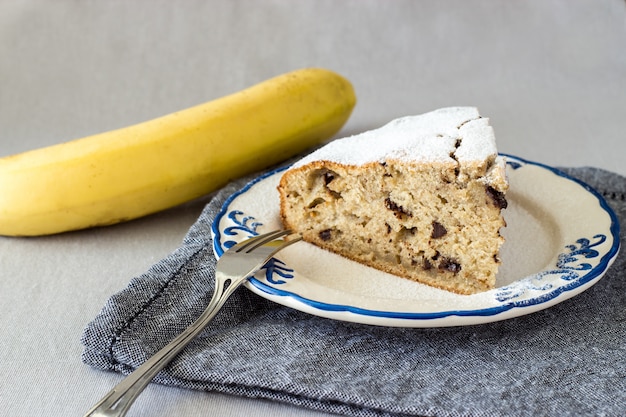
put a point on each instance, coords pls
(561, 237)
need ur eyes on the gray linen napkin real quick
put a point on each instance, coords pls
(567, 360)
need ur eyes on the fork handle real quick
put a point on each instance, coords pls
(118, 401)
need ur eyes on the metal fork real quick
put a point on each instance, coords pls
(235, 266)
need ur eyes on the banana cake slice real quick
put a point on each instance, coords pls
(420, 197)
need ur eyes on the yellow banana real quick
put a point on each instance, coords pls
(134, 171)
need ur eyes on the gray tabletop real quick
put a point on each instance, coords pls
(551, 76)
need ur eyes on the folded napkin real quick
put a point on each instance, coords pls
(567, 360)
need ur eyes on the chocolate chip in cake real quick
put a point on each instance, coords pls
(396, 208)
(386, 173)
(325, 235)
(427, 265)
(457, 169)
(438, 230)
(497, 197)
(450, 265)
(328, 177)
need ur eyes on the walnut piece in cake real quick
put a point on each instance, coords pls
(420, 197)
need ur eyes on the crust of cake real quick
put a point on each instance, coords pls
(429, 223)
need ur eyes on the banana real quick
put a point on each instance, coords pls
(141, 169)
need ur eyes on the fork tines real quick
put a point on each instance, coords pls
(251, 244)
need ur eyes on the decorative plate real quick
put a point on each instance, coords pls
(561, 237)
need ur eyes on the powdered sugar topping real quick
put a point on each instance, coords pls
(438, 136)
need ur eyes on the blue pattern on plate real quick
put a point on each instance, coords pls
(276, 267)
(275, 270)
(568, 266)
(245, 224)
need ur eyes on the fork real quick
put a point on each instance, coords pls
(235, 266)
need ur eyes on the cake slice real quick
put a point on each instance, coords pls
(420, 197)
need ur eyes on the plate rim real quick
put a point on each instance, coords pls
(548, 299)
